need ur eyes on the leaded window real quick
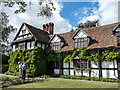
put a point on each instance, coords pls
(56, 65)
(22, 45)
(81, 64)
(80, 42)
(55, 46)
(118, 37)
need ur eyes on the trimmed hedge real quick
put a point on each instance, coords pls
(89, 78)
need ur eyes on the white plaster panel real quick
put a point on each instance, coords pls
(55, 39)
(78, 72)
(13, 47)
(65, 71)
(71, 72)
(109, 74)
(93, 65)
(109, 64)
(85, 73)
(94, 73)
(80, 34)
(118, 29)
(56, 71)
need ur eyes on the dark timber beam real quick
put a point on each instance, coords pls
(99, 65)
(60, 64)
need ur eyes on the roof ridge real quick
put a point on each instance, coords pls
(99, 26)
(34, 27)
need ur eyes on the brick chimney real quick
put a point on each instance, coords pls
(48, 28)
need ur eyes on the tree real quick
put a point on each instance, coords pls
(5, 31)
(46, 9)
(71, 30)
(88, 24)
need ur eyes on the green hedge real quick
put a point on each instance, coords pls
(89, 78)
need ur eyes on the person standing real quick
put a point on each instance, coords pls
(24, 70)
(20, 68)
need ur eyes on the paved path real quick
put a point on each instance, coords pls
(7, 75)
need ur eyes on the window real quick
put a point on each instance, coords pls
(118, 37)
(21, 45)
(56, 64)
(28, 45)
(55, 45)
(32, 44)
(81, 64)
(80, 42)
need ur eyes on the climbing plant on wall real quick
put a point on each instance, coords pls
(84, 53)
(35, 61)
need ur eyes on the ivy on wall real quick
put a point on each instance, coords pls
(35, 61)
(105, 55)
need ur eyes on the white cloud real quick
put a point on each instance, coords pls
(30, 17)
(107, 12)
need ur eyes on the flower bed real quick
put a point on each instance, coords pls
(9, 81)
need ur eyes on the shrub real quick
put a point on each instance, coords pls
(55, 75)
(44, 76)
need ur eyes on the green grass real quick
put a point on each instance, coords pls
(66, 83)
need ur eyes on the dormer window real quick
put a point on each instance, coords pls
(55, 46)
(81, 42)
(118, 37)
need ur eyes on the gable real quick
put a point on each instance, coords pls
(55, 39)
(118, 29)
(80, 34)
(23, 33)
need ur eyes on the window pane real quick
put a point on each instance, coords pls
(21, 45)
(75, 40)
(118, 33)
(32, 44)
(85, 44)
(75, 45)
(28, 45)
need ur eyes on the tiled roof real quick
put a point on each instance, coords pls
(103, 37)
(39, 34)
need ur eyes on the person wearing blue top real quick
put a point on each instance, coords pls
(24, 70)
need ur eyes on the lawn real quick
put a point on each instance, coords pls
(66, 83)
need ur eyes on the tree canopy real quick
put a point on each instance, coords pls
(46, 9)
(88, 24)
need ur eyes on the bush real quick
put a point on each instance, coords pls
(55, 75)
(44, 76)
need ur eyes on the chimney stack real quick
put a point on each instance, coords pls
(48, 28)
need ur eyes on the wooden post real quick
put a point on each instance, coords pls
(99, 66)
(60, 71)
(118, 67)
(89, 68)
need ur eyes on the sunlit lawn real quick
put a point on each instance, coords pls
(66, 83)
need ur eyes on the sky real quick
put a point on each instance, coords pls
(67, 14)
